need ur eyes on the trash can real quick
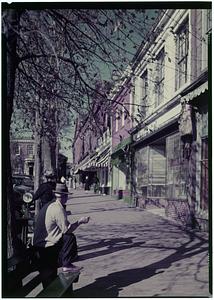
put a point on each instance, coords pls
(120, 194)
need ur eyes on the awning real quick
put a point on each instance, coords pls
(88, 164)
(91, 163)
(196, 92)
(103, 160)
(122, 145)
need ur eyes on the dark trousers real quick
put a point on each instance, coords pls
(61, 254)
(68, 250)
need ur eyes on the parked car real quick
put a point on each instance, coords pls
(23, 187)
(23, 183)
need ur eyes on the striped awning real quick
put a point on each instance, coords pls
(103, 160)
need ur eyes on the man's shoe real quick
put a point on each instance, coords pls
(71, 269)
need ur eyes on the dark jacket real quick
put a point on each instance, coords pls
(45, 192)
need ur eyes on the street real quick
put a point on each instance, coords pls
(128, 252)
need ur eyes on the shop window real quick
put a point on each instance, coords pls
(176, 168)
(141, 170)
(160, 71)
(157, 170)
(151, 171)
(204, 175)
(182, 45)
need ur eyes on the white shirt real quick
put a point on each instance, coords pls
(51, 224)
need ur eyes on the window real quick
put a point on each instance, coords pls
(144, 85)
(182, 54)
(30, 149)
(177, 168)
(90, 143)
(208, 19)
(160, 78)
(109, 123)
(17, 149)
(123, 116)
(83, 146)
(206, 27)
(116, 121)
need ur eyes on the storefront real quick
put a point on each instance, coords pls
(159, 170)
(103, 171)
(121, 170)
(170, 165)
(200, 155)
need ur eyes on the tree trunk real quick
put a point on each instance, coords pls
(38, 157)
(10, 64)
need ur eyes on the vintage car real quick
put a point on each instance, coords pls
(23, 187)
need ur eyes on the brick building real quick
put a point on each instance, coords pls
(22, 156)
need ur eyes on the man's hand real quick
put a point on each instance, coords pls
(83, 220)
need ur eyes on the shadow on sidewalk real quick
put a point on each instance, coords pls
(113, 245)
(110, 285)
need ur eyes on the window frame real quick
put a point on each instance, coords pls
(160, 77)
(116, 121)
(30, 152)
(144, 78)
(205, 33)
(182, 53)
(17, 147)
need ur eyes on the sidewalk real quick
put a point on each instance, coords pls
(128, 252)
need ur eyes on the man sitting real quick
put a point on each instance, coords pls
(54, 238)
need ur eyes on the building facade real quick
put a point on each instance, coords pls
(22, 156)
(121, 141)
(91, 152)
(158, 133)
(170, 141)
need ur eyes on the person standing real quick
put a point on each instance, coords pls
(45, 190)
(87, 185)
(54, 238)
(96, 184)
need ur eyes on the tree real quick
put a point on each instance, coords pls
(57, 56)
